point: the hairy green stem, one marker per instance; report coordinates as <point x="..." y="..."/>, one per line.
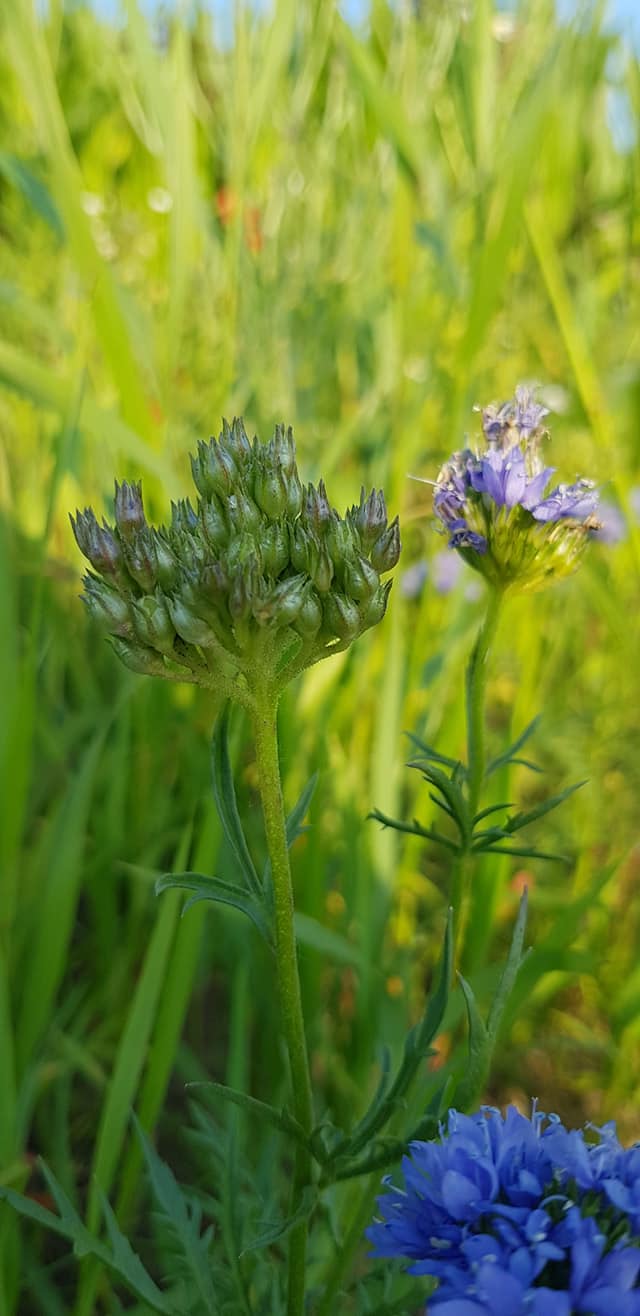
<point x="263" y="713"/>
<point x="475" y="689"/>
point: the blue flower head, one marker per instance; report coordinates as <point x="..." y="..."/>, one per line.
<point x="518" y="1217"/>
<point x="496" y="506"/>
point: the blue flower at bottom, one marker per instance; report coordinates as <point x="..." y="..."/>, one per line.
<point x="518" y="1217"/>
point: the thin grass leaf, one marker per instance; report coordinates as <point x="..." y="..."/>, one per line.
<point x="521" y="852"/>
<point x="313" y="934"/>
<point x="416" y="1047"/>
<point x="433" y="755"/>
<point x="414" y="829"/>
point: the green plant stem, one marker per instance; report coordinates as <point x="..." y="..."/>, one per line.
<point x="263" y="713"/>
<point x="475" y="690"/>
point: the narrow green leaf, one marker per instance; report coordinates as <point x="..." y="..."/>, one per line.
<point x="183" y="1218"/>
<point x="120" y="1258"/>
<point x="273" y="1233"/>
<point x="215" y="889"/>
<point x="522" y="819"/>
<point x="432" y="755"/>
<point x="227" y="805"/>
<point x="280" y="1119"/>
<point x="522" y="852"/>
<point x="508" y="756"/>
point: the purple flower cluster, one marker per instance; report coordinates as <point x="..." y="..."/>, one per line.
<point x="508" y="474"/>
<point x="518" y="1217"/>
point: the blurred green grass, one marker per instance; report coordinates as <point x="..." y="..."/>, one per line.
<point x="363" y="233"/>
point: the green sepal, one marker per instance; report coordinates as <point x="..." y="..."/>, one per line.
<point x="222" y="893"/>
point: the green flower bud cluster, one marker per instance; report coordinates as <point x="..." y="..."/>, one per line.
<point x="262" y="577"/>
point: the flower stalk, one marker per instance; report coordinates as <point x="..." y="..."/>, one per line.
<point x="263" y="713"/>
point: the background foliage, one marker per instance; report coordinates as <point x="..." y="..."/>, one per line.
<point x="362" y="232"/>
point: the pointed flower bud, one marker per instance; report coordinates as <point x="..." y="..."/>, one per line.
<point x="360" y="578"/>
<point x="341" y="616"/>
<point x="190" y="627"/>
<point x="98" y="543"/>
<point x="270" y="490"/>
<point x="135" y="656"/>
<point x="152" y="623"/>
<point x="386" y="550"/>
<point x="129" y="510"/>
<point x="213" y="520"/>
<point x="371" y="517"/>
<point x="106" y="606"/>
<point x="316" y="508"/>
<point x="141" y="559"/>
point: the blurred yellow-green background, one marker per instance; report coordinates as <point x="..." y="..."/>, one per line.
<point x="362" y="228"/>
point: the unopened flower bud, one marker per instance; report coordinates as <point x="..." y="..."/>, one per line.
<point x="135" y="656"/>
<point x="360" y="579"/>
<point x="275" y="548"/>
<point x="189" y="626"/>
<point x="316" y="507"/>
<point x="294" y="493"/>
<point x="320" y="566"/>
<point x="214" y="521"/>
<point x="98" y="543"/>
<point x="237" y="441"/>
<point x="371" y="516"/>
<point x="183" y="517"/>
<point x="309" y="617"/>
<point x="377" y="605"/>
<point x="386" y="550"/>
<point x="141" y="559"/>
<point x="340" y="540"/>
<point x="167" y="566"/>
<point x="284" y="449"/>
<point x="152" y="623"/>
<point x="129" y="510"/>
<point x="219" y="468"/>
<point x="282" y="605"/>
<point x="341" y="616"/>
<point x="243" y="513"/>
<point x="269" y="490"/>
<point x="107" y="607"/>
